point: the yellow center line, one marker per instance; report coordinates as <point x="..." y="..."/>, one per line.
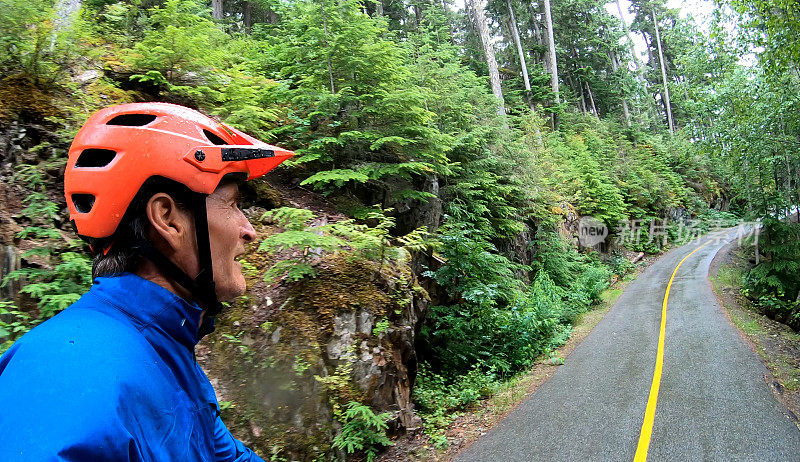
<point x="650" y="411"/>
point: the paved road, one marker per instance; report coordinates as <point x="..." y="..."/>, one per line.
<point x="713" y="403"/>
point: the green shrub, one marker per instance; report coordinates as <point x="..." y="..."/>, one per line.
<point x="362" y="430"/>
<point x="305" y="243"/>
<point x="69" y="274"/>
<point x="13" y="324"/>
<point x="774" y="284"/>
<point x="620" y="265"/>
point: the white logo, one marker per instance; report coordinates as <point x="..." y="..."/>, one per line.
<point x="591" y="231"/>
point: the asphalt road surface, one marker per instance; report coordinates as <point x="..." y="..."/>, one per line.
<point x="713" y="403"/>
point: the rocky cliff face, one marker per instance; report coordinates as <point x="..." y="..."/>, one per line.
<point x="287" y="357"/>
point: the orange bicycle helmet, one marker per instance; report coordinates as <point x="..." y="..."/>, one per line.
<point x="120" y="147"/>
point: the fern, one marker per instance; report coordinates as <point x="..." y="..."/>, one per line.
<point x="53" y="288"/>
<point x="357" y="240"/>
<point x="363" y="430"/>
<point x="327" y="179"/>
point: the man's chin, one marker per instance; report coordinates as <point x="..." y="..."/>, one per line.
<point x="228" y="294"/>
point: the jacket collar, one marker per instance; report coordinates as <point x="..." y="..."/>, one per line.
<point x="151" y="306"/>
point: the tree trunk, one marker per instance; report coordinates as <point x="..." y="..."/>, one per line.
<point x="650" y="58"/>
<point x="216" y="9"/>
<point x="379" y="8"/>
<point x="247" y="17"/>
<point x="65" y="9"/>
<point x="591" y="100"/>
<point x="515" y="34"/>
<point x="583" y="96"/>
<point x="551" y="41"/>
<point x="615" y="68"/>
<point x="628" y="35"/>
<point x="537" y="31"/>
<point x="663" y="76"/>
<point x="483" y="31"/>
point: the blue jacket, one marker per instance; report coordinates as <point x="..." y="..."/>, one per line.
<point x="113" y="378"/>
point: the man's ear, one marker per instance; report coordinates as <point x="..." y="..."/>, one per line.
<point x="171" y="226"/>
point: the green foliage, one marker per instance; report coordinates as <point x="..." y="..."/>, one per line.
<point x="381" y="327"/>
<point x="439" y="398"/>
<point x="358" y="116"/>
<point x="774" y="284"/>
<point x="178" y="41"/>
<point x="57" y="288"/>
<point x="362" y="430"/>
<point x="593" y="193"/>
<point x="481" y="280"/>
<point x="620" y="265"/>
<point x="298" y="237"/>
<point x="436" y="394"/>
<point x="13" y="324"/>
<point x="69" y="271"/>
<point x="36" y="43"/>
<point x="337" y="178"/>
<point x="356" y="240"/>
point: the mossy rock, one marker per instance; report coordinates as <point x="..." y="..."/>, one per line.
<point x="21" y="98"/>
<point x="272" y="358"/>
<point x="264" y="194"/>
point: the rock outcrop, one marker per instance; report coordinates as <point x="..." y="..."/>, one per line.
<point x="286" y="359"/>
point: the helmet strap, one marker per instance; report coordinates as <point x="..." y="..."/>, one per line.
<point x="206" y="292"/>
<point x="202" y="286"/>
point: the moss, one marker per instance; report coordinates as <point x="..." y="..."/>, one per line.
<point x="271" y="356"/>
<point x="265" y="195"/>
<point x="344" y="284"/>
<point x="105" y="93"/>
<point x="21" y="98"/>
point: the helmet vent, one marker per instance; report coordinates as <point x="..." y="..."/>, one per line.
<point x="132" y="120"/>
<point x="95" y="158"/>
<point x="83" y="202"/>
<point x="214" y="138"/>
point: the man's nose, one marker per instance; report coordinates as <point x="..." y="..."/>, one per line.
<point x="248" y="233"/>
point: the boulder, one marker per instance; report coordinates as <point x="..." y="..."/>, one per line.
<point x="286" y="359"/>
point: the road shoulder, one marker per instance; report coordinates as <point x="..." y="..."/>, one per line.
<point x="777" y="345"/>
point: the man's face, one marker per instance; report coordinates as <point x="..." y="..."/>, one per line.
<point x="228" y="231"/>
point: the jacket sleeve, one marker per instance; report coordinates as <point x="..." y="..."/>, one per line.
<point x="228" y="448"/>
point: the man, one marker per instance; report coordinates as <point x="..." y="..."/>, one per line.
<point x="153" y="188"/>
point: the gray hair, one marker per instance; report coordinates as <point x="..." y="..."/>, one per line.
<point x="122" y="257"/>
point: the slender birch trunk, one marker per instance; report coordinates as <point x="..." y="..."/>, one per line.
<point x="591" y="100"/>
<point x="583" y="96"/>
<point x="663" y="76"/>
<point x="483" y="31"/>
<point x="552" y="61"/>
<point x="615" y="67"/>
<point x="216" y="9"/>
<point x="628" y="35"/>
<point x="515" y="34"/>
